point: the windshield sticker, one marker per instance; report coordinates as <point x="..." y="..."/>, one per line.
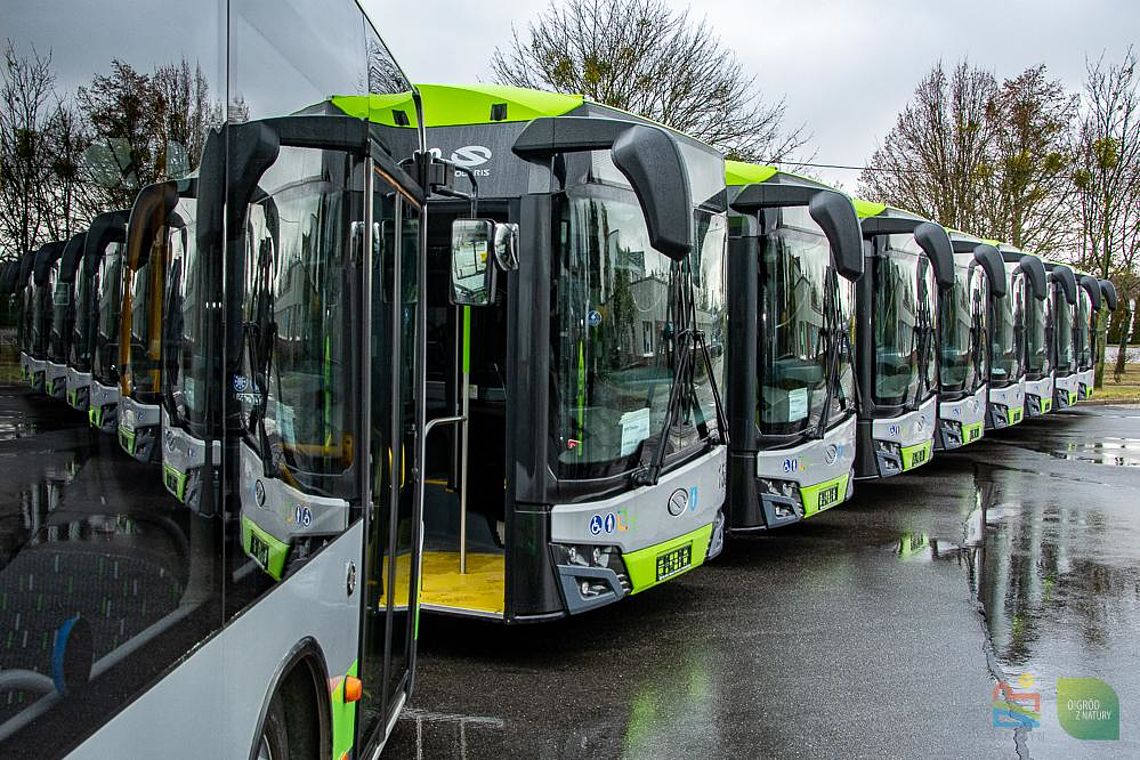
<point x="634" y="430"/>
<point x="189" y="388"/>
<point x="797" y="404"/>
<point x="285" y="422"/>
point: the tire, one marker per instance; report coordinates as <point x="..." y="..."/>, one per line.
<point x="273" y="744"/>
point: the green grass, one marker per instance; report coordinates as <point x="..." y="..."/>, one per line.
<point x="1127" y="391"/>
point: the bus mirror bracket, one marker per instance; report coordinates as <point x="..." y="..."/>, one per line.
<point x="836" y="216"/>
<point x="932" y="238"/>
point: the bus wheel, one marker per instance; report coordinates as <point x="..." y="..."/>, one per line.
<point x="273" y="744"/>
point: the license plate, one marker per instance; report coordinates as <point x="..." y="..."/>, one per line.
<point x="972" y="435"/>
<point x="919" y="457"/>
<point x="672" y="562"/>
<point x="259" y="550"/>
<point x="828" y="496"/>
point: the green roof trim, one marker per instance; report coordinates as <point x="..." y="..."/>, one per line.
<point x="867" y="209"/>
<point x="448" y="105"/>
<point x="740" y="173"/>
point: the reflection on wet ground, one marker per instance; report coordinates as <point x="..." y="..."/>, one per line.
<point x="879" y="629"/>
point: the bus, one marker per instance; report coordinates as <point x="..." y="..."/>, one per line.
<point x="909" y="261"/>
<point x="104" y="238"/>
<point x="1035" y="317"/>
<point x="1098" y="329"/>
<point x="795" y="254"/>
<point x="964" y="341"/>
<point x="583" y="457"/>
<point x="161" y="222"/>
<point x="40" y="294"/>
<point x="24" y="288"/>
<point x="103" y="390"/>
<point x="1091" y="298"/>
<point x="151" y="631"/>
<point x="62" y="316"/>
<point x="1063" y="299"/>
<point x="1006" y="397"/>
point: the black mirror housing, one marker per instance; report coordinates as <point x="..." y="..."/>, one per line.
<point x="1063" y="276"/>
<point x="934" y="240"/>
<point x="651" y="160"/>
<point x="1110" y="297"/>
<point x="991" y="262"/>
<point x="1092" y="287"/>
<point x="1035" y="274"/>
<point x="835" y="215"/>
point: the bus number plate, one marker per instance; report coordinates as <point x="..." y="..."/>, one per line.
<point x="919" y="457"/>
<point x="672" y="562"/>
<point x="972" y="435"/>
<point x="259" y="550"/>
<point x="827" y="497"/>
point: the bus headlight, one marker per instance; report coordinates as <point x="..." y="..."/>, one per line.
<point x="571" y="556"/>
<point x="783" y="495"/>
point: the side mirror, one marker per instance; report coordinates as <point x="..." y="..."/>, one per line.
<point x="472" y="268"/>
<point x="836" y="216"/>
<point x="939" y="250"/>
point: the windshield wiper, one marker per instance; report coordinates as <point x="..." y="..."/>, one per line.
<point x="689" y="345"/>
<point x="837" y="339"/>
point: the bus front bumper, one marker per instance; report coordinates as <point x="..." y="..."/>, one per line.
<point x="183" y="462"/>
<point x="139" y="426"/>
<point x="103" y="407"/>
<point x="903" y="443"/>
<point x="962" y="422"/>
<point x="1006" y="406"/>
<point x="1039" y="396"/>
<point x="78" y="389"/>
<point x="796" y="483"/>
<point x="1065" y="391"/>
<point x="605" y="550"/>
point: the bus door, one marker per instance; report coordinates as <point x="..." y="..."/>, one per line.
<point x="465" y="463"/>
<point x="391" y="304"/>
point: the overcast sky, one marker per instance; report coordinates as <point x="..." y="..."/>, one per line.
<point x="845" y="67"/>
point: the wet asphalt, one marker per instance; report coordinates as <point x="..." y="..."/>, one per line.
<point x="878" y="629"/>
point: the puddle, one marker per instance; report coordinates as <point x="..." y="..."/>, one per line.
<point x="1118" y="452"/>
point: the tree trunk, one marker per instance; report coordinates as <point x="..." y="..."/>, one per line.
<point x="1125" y="334"/>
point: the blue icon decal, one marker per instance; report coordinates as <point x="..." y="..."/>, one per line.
<point x="611" y="522"/>
<point x="693" y="499"/>
<point x="594" y="318"/>
<point x="596" y="524"/>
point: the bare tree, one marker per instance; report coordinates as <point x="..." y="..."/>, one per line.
<point x="936" y="159"/>
<point x="27" y="109"/>
<point x="1107" y="181"/>
<point x="1029" y="191"/>
<point x="646" y="58"/>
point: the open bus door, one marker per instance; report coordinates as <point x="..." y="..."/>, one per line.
<point x="321" y="357"/>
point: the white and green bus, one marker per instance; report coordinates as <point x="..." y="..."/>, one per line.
<point x="132" y="626"/>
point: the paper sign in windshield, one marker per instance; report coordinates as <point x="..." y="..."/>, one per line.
<point x="634" y="430"/>
<point x="797" y="404"/>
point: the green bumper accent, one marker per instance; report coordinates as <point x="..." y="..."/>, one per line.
<point x="916" y="455"/>
<point x="1046" y="405"/>
<point x="1014" y="416"/>
<point x="95" y="417"/>
<point x="973" y="432"/>
<point x="175" y="481"/>
<point x="127" y="440"/>
<point x="642" y="564"/>
<point x="1072" y="398"/>
<point x="824" y="495"/>
<point x="271" y="557"/>
<point x="343" y="717"/>
<point x="72" y="397"/>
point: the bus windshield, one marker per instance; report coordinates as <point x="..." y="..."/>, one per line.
<point x="1084" y="345"/>
<point x="1007" y="335"/>
<point x="108" y="294"/>
<point x="297" y="307"/>
<point x="616" y="307"/>
<point x="1063" y="336"/>
<point x="963" y="326"/>
<point x="1038" y="334"/>
<point x="795" y="278"/>
<point x="903" y="319"/>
